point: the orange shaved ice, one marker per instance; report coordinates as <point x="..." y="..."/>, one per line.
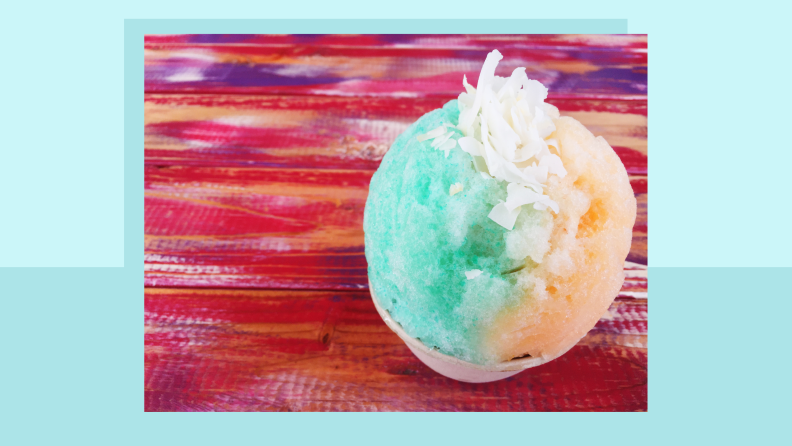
<point x="582" y="272"/>
<point x="497" y="229"/>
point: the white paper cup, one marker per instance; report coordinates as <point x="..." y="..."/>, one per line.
<point x="455" y="368"/>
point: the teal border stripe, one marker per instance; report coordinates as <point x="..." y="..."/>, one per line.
<point x="133" y="149"/>
<point x="719" y="363"/>
<point x="73" y="350"/>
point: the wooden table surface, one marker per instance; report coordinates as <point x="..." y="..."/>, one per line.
<point x="258" y="155"/>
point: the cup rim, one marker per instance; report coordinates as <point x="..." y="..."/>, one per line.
<point x="507" y="366"/>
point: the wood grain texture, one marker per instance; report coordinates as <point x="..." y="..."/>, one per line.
<point x="615" y="42"/>
<point x="239" y="350"/>
<point x="310" y="66"/>
<point x="277" y="222"/>
<point x="253" y="227"/>
<point x="265" y="227"/>
<point x="332" y="132"/>
<point x="258" y="155"/>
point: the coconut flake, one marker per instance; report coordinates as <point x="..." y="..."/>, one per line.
<point x="471" y="146"/>
<point x="481" y="165"/>
<point x="440" y="140"/>
<point x="546" y="202"/>
<point x="465" y="99"/>
<point x="519" y="195"/>
<point x="447" y="146"/>
<point x="455" y="189"/>
<point x="553" y="164"/>
<point x="486" y="76"/>
<point x="543" y="123"/>
<point x="472" y="274"/>
<point x="499" y="127"/>
<point x="431" y="134"/>
<point x="468" y="88"/>
<point x="512" y="86"/>
<point x="501" y="215"/>
<point x="551" y="142"/>
<point x="535" y="92"/>
<point x="505" y="121"/>
<point x="539" y="173"/>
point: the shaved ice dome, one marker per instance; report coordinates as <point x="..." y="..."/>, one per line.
<point x="443" y="261"/>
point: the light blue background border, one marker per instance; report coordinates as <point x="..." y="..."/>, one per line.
<point x="718" y="356"/>
<point x="381" y="26"/>
<point x="718" y="153"/>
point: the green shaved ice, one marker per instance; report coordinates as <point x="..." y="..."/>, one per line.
<point x="420" y="240"/>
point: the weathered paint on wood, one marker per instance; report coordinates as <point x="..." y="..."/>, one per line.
<point x="332" y="132"/>
<point x="602" y="42"/>
<point x="239" y="350"/>
<point x="422" y="69"/>
<point x="252" y="227"/>
<point x="259" y="150"/>
<point x="265" y="227"/>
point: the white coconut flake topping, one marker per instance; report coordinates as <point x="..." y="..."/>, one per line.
<point x="506" y="126"/>
<point x="472" y="274"/>
<point x="441" y="139"/>
<point x="455" y="189"/>
<point x="432" y="134"/>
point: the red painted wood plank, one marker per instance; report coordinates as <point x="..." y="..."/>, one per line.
<point x="236" y="350"/>
<point x="387" y="71"/>
<point x="372" y="107"/>
<point x="264" y="228"/>
<point x="255" y="227"/>
<point x="639" y="250"/>
<point x="332" y="132"/>
<point x="292" y="218"/>
<point x="617" y="42"/>
<point x="277" y="53"/>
